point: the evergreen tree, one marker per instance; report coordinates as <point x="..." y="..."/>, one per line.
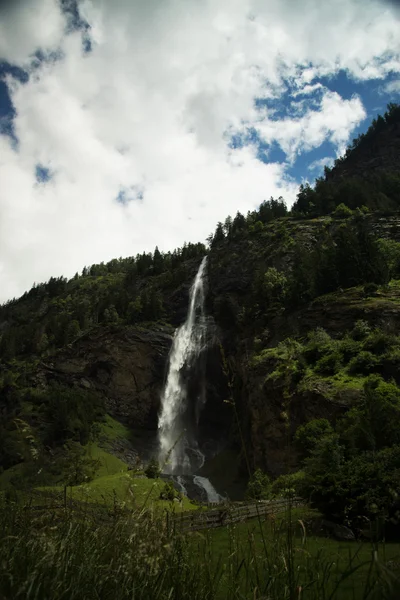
<point x="219" y="235"/>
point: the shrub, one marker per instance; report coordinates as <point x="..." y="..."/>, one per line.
<point x="379" y="342"/>
<point x="309" y="435"/>
<point x="169" y="492"/>
<point x="330" y="363"/>
<point x="153" y="470"/>
<point x="342" y="211"/>
<point x="274" y="285"/>
<point x="259" y="486"/>
<point x="288" y="485"/>
<point x="361" y="330"/>
<point x="349" y="348"/>
<point x="373" y="423"/>
<point x="319" y="343"/>
<point x="76" y="466"/>
<point x="364" y="363"/>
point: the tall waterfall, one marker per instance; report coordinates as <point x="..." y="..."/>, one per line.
<point x="182" y="402"/>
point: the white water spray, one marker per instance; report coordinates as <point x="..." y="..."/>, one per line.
<point x="179" y="414"/>
<point x="212" y="495"/>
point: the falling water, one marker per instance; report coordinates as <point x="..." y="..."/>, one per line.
<point x="177" y="426"/>
<point x="205" y="484"/>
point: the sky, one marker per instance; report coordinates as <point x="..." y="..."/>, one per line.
<point x="130" y="124"/>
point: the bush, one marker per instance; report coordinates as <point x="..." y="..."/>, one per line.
<point x="342" y="211"/>
<point x="288" y="485"/>
<point x="361" y="330"/>
<point x="363" y="364"/>
<point x="153" y="470"/>
<point x="169" y="492"/>
<point x="373" y="423"/>
<point x="319" y="343"/>
<point x="309" y="435"/>
<point x="274" y="286"/>
<point x="379" y="342"/>
<point x="259" y="486"/>
<point x="330" y="363"/>
<point x="349" y="348"/>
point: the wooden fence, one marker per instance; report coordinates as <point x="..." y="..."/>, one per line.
<point x="185" y="522"/>
<point x="229" y="514"/>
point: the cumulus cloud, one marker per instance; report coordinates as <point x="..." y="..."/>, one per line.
<point x="320" y="163"/>
<point x="334" y="121"/>
<point x="135" y="134"/>
<point x="392" y="88"/>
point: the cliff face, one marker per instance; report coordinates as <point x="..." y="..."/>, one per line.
<point x="269" y="412"/>
<point x="126" y="366"/>
<point x="273" y="410"/>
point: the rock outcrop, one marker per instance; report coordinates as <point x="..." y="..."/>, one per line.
<point x="126" y="365"/>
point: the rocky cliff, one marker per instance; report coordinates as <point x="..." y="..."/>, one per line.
<point x="125" y="365"/>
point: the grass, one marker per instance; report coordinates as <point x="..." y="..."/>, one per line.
<point x="109" y="464"/>
<point x="113" y="430"/>
<point x="332" y="386"/>
<point x="126" y="489"/>
<point x="65" y="556"/>
<point x="266" y="550"/>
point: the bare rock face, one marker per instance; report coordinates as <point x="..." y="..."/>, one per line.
<point x="126" y="365"/>
<point x="273" y="419"/>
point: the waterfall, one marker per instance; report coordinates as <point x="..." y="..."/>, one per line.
<point x="180" y="411"/>
<point x="206" y="485"/>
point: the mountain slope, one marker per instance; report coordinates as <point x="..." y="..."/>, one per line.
<point x="302" y="313"/>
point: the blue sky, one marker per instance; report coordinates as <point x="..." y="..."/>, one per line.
<point x="374" y="98"/>
<point x="132" y="124"/>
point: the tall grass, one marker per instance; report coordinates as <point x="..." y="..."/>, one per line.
<point x="73" y="554"/>
<point x="63" y="555"/>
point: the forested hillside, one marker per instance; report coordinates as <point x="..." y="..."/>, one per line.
<point x="303" y="308"/>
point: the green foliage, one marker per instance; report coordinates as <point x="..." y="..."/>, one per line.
<point x="342" y="211"/>
<point x="66" y="413"/>
<point x="319" y="343"/>
<point x="258" y="487"/>
<point x="128" y="290"/>
<point x="377" y="192"/>
<point x="76" y="466"/>
<point x="169" y="492"/>
<point x="390" y="250"/>
<point x="345" y="256"/>
<point x="289" y="485"/>
<point x="373" y="423"/>
<point x="115" y="554"/>
<point x="364" y="363"/>
<point x="310" y="435"/>
<point x="361" y="330"/>
<point x="274" y="286"/>
<point x="153" y="469"/>
<point x="330" y="363"/>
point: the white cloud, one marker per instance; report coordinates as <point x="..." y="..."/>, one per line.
<point x="26" y="25"/>
<point x="333" y="122"/>
<point x="149" y="109"/>
<point x="392" y="88"/>
<point x="320" y="163"/>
